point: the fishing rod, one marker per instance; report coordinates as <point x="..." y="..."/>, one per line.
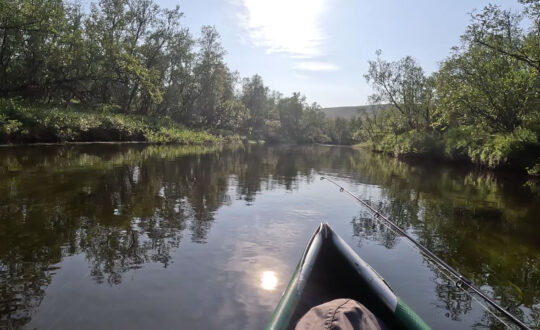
<point x="462" y="279"/>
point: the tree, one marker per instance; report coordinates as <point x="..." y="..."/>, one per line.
<point x="132" y="56"/>
<point x="503" y="32"/>
<point x="233" y="115"/>
<point x="255" y="98"/>
<point x="141" y="15"/>
<point x="212" y="77"/>
<point x="314" y="124"/>
<point x="177" y="64"/>
<point x="480" y="86"/>
<point x="290" y="114"/>
<point x="403" y="85"/>
<point x="29" y="35"/>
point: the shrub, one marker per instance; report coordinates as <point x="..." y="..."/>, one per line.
<point x="21" y="123"/>
<point x="411" y="142"/>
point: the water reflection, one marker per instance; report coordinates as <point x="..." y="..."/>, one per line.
<point x="124" y="208"/>
<point x="482" y="225"/>
<point x="269" y="280"/>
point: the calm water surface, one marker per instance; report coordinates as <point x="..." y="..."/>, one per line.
<point x="135" y="236"/>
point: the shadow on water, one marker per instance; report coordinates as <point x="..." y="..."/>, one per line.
<point x="126" y="206"/>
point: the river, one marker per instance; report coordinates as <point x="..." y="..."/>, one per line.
<point x="124" y="236"/>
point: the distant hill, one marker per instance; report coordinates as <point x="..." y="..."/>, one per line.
<point x="350" y="112"/>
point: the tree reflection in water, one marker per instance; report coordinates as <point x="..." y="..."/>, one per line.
<point x="483" y="226"/>
<point x="124" y="206"/>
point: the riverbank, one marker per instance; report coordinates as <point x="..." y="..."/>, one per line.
<point x="518" y="151"/>
<point x="23" y="124"/>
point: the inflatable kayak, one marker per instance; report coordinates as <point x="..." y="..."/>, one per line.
<point x="330" y="269"/>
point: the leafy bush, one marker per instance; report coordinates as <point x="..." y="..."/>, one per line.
<point x="411" y="142"/>
<point x="179" y="135"/>
<point x="9" y="126"/>
<point x="459" y="140"/>
<point x="21" y="123"/>
<point x="490" y="150"/>
<point x="499" y="148"/>
<point x="535" y="169"/>
<point x="466" y="143"/>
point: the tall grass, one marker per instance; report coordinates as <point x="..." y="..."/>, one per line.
<point x="20" y="123"/>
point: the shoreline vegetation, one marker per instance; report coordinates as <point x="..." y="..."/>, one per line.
<point x="28" y="124"/>
<point x="121" y="70"/>
<point x="481" y="106"/>
<point x="128" y="70"/>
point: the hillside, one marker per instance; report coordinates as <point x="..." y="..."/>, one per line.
<point x="351" y="111"/>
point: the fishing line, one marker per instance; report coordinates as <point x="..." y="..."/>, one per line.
<point x="432" y="257"/>
<point x="446" y="274"/>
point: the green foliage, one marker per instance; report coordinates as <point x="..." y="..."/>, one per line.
<point x="213" y="80"/>
<point x="478" y="86"/>
<point x="256" y="99"/>
<point x="290" y="111"/>
<point x="272" y="131"/>
<point x="128" y="70"/>
<point x="498" y="149"/>
<point x="459" y="141"/>
<point x="481" y="147"/>
<point x="411" y="142"/>
<point x="339" y="131"/>
<point x="534" y="170"/>
<point x="178" y="135"/>
<point x="315" y="126"/>
<point x="134" y="58"/>
<point x="9" y="126"/>
<point x="481" y="106"/>
<point x="21" y="123"/>
<point x="403" y="85"/>
<point x="232" y="115"/>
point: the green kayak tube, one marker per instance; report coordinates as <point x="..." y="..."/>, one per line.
<point x="330" y="269"/>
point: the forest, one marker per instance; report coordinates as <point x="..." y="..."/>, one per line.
<point x="129" y="70"/>
<point x="481" y="106"/>
<point x="124" y="70"/>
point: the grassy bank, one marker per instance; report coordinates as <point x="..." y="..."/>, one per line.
<point x="518" y="150"/>
<point x="21" y="123"/>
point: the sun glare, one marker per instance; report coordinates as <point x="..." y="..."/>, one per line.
<point x="288" y="26"/>
<point x="269" y="280"/>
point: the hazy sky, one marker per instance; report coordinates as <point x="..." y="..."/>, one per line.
<point x="322" y="47"/>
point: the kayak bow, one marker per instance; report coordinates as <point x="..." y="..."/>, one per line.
<point x="330" y="269"/>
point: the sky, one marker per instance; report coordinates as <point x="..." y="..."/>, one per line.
<point x="321" y="48"/>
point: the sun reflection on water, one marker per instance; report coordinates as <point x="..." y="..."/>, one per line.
<point x="269" y="280"/>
